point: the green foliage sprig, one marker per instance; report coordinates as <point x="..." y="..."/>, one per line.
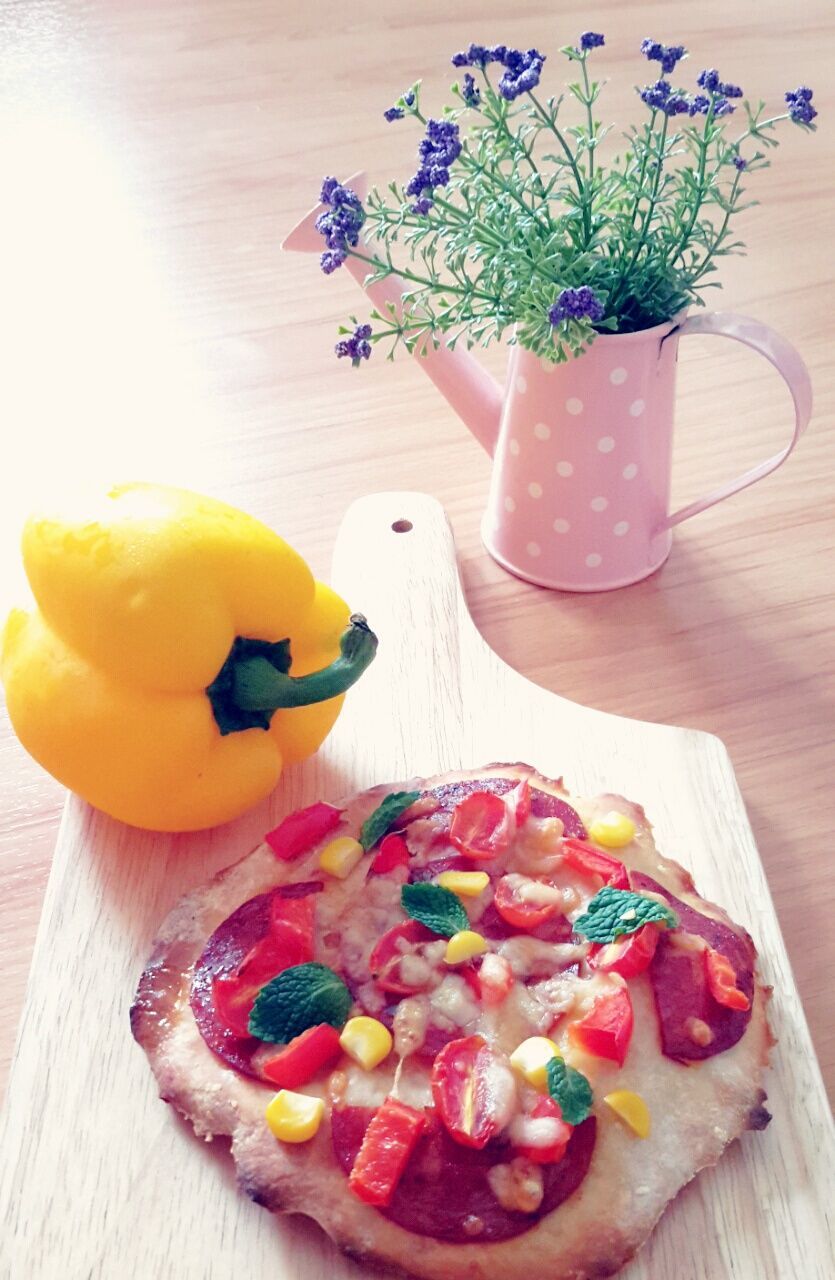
<point x="518" y="227"/>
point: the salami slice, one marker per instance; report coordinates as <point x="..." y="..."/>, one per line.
<point x="224" y="951"/>
<point x="444" y="1192"/>
<point x="680" y="986"/>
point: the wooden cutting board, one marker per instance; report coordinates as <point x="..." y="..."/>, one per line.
<point x="100" y="1180"/>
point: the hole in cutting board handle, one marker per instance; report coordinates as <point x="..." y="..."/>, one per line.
<point x="402" y="526"/>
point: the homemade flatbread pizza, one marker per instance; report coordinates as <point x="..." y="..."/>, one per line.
<point x="473" y="1026"/>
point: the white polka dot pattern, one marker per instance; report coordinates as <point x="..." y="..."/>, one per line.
<point x="580" y="474"/>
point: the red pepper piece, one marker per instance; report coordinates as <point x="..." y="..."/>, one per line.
<point x="554" y="1152"/>
<point x="606" y="1030"/>
<point x="293" y="913"/>
<point x="519" y="801"/>
<point x="389" y="1141"/>
<point x="234" y="993"/>
<point x="629" y="955"/>
<point x="518" y="912"/>
<point x="299" y="1061"/>
<point x="491" y="984"/>
<point x="462" y="1091"/>
<point x="590" y="861"/>
<point x="481" y="826"/>
<point x="393" y="852"/>
<point x="303" y="830"/>
<point x="384" y="961"/>
<point x="721" y="980"/>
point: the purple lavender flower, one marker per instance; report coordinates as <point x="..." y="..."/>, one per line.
<point x="801" y="110"/>
<point x="357" y="346"/>
<point x="698" y="105"/>
<point x="669" y="55"/>
<point x="422" y="206"/>
<point x="393" y="113"/>
<point x="522" y="72"/>
<point x="740" y="163"/>
<point x="591" y="40"/>
<point x="470" y="91"/>
<point x="477" y="55"/>
<point x="678" y="104"/>
<point x="438" y="149"/>
<point x="409" y="98"/>
<point x="655" y="95"/>
<point x="730" y="90"/>
<point x="721" y="107"/>
<point x="577" y="304"/>
<point x="330" y="260"/>
<point x="709" y="80"/>
<point x="340" y="223"/>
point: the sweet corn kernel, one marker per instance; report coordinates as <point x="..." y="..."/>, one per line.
<point x="468" y="883"/>
<point x="341" y="856"/>
<point x="531" y="1058"/>
<point x="463" y="946"/>
<point x="631" y="1109"/>
<point x="613" y="830"/>
<point x="294" y="1117"/>
<point x="367" y="1041"/>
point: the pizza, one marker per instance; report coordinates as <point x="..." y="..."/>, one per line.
<point x="473" y="1026"/>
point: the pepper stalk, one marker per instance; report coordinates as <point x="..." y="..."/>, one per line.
<point x="254" y="681"/>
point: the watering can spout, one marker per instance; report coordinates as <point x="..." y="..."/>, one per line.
<point x="468" y="388"/>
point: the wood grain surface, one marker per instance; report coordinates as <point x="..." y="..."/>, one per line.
<point x="85" y="1138"/>
<point x="154" y="155"/>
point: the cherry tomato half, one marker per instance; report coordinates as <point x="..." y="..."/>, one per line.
<point x="516" y="911"/>
<point x="481" y="826"/>
<point x="463" y="1088"/>
<point x="629" y="955"/>
<point x="606" y="1030"/>
<point x="386" y="959"/>
<point x="547" y="1109"/>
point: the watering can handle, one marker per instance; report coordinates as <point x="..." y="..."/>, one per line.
<point x="787" y="362"/>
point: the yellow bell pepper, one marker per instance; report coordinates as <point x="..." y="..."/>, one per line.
<point x="152" y="677"/>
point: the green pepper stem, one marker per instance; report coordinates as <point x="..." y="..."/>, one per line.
<point x="258" y="686"/>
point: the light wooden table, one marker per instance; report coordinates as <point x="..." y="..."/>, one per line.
<point x="154" y="155"/>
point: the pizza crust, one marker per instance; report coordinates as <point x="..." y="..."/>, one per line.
<point x="697" y="1109"/>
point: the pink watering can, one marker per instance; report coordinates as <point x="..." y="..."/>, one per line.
<point x="582" y="451"/>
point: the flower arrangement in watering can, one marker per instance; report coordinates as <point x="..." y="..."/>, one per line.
<point x="519" y="229"/>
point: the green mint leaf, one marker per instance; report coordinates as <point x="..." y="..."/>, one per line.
<point x="613" y="912"/>
<point x="302" y="996"/>
<point x="376" y="826"/>
<point x="570" y="1089"/>
<point x="439" y="909"/>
